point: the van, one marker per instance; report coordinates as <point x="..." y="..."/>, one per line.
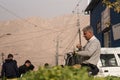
<point x="109" y="63"/>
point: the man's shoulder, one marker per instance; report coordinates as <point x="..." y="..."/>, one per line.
<point x="22" y="66"/>
<point x="95" y="42"/>
<point x="15" y="61"/>
<point x="31" y="67"/>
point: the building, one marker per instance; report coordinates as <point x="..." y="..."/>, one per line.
<point x="105" y="22"/>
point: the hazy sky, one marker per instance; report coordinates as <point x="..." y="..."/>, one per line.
<point x="42" y="8"/>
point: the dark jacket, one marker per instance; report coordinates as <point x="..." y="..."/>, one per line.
<point x="10" y="69"/>
<point x="23" y="69"/>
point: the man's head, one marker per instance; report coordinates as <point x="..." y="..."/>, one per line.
<point x="10" y="56"/>
<point x="27" y="63"/>
<point x="87" y="32"/>
<point x="46" y="64"/>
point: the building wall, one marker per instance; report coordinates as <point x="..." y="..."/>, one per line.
<point x="115" y="19"/>
<point x="95" y="17"/>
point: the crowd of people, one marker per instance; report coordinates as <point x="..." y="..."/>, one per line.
<point x="10" y="70"/>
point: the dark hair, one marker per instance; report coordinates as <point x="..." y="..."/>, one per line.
<point x="10" y="56"/>
<point x="46" y="64"/>
<point x="27" y="61"/>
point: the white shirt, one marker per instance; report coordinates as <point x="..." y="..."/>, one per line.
<point x="91" y="51"/>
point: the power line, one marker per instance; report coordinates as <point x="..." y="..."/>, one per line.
<point x="68" y="35"/>
<point x="76" y="8"/>
<point x="31" y="32"/>
<point x="14" y="14"/>
<point x="57" y="50"/>
<point x="11" y="12"/>
<point x="62" y="30"/>
<point x="36" y="37"/>
<point x="74" y="38"/>
<point x="19" y="17"/>
<point x="70" y="42"/>
<point x="31" y="38"/>
<point x="66" y="28"/>
<point x="26" y="20"/>
<point x="65" y="25"/>
<point x="28" y="38"/>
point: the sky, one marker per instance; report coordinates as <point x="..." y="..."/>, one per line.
<point x="11" y="9"/>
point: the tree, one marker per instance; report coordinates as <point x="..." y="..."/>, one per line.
<point x="113" y="4"/>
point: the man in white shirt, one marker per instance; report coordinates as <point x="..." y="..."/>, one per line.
<point x="91" y="51"/>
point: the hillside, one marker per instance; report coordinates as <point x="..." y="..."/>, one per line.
<point x="35" y="38"/>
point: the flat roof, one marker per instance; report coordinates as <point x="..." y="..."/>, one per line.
<point x="92" y="4"/>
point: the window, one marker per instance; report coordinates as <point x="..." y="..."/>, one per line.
<point x="98" y="27"/>
<point x="119" y="55"/>
<point x="108" y="60"/>
<point x="107" y="41"/>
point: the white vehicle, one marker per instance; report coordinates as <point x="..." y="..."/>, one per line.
<point x="109" y="63"/>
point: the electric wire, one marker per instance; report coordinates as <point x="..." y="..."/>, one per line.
<point x="70" y="19"/>
<point x="14" y="14"/>
<point x="13" y="42"/>
<point x="70" y="42"/>
<point x="21" y="18"/>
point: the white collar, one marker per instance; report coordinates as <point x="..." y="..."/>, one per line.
<point x="92" y="38"/>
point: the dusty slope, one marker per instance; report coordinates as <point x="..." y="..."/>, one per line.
<point x="35" y="38"/>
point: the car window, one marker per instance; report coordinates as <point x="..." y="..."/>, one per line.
<point x="108" y="60"/>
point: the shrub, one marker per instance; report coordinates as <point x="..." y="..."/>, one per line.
<point x="60" y="73"/>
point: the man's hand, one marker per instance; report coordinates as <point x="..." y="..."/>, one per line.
<point x="78" y="46"/>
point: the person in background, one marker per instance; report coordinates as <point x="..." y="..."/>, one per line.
<point x="46" y="65"/>
<point x="91" y="51"/>
<point x="27" y="66"/>
<point x="9" y="68"/>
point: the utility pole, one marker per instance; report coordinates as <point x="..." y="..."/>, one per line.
<point x="78" y="24"/>
<point x="79" y="32"/>
<point x="57" y="50"/>
<point x="79" y="58"/>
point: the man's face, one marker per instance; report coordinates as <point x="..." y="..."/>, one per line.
<point x="87" y="34"/>
<point x="27" y="64"/>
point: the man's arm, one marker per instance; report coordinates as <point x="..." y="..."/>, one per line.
<point x="3" y="70"/>
<point x="16" y="68"/>
<point x="31" y="67"/>
<point x="89" y="51"/>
